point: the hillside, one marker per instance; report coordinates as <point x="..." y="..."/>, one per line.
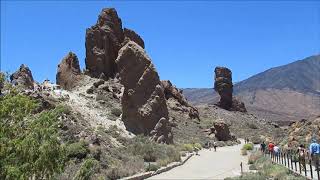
<point x="284" y="93"/>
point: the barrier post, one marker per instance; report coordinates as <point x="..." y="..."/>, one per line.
<point x="311" y="171"/>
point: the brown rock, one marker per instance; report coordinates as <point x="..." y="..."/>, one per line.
<point x="69" y="72"/>
<point x="162" y="132"/>
<point x="224" y="87"/>
<point x="130" y="35"/>
<point x="221" y="131"/>
<point x="23" y="78"/>
<point x="103" y="42"/>
<point x="171" y="91"/>
<point x="143" y="101"/>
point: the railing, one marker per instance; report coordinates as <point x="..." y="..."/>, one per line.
<point x="300" y="165"/>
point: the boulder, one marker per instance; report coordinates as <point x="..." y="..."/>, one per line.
<point x="143" y="101"/>
<point x="224" y="87"/>
<point x="170" y="91"/>
<point x="221" y="131"/>
<point x="23" y="78"/>
<point x="103" y="41"/>
<point x="69" y="72"/>
<point x="162" y="132"/>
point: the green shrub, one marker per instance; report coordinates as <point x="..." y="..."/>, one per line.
<point x="77" y="150"/>
<point x="116" y="111"/>
<point x="87" y="169"/>
<point x="248" y="147"/>
<point x="254" y="157"/>
<point x="152" y="167"/>
<point x="197" y="145"/>
<point x="187" y="147"/>
<point x="249" y="176"/>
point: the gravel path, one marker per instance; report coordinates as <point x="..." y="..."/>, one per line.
<point x="210" y="165"/>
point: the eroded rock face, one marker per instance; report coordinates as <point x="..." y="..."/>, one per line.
<point x="221" y="131"/>
<point x="171" y="91"/>
<point x="162" y="132"/>
<point x="103" y="41"/>
<point x="143" y="101"/>
<point x="130" y="35"/>
<point x="69" y="72"/>
<point x="23" y="78"/>
<point x="224" y="87"/>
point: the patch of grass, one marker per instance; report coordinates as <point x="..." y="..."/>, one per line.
<point x="249" y="176"/>
<point x="187" y="147"/>
<point x="152" y="167"/>
<point x="87" y="169"/>
<point x="248" y="147"/>
<point x="254" y="157"/>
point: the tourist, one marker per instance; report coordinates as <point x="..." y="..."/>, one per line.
<point x="270" y="147"/>
<point x="276" y="150"/>
<point x="263" y="147"/>
<point x="215" y="146"/>
<point x="302" y="155"/>
<point x="315" y="153"/>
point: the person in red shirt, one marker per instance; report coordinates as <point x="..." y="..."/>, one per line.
<point x="270" y="147"/>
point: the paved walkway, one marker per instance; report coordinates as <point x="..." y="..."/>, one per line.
<point x="210" y="165"/>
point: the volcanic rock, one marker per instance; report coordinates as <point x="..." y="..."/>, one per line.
<point x="103" y="41"/>
<point x="23" y="78"/>
<point x="130" y="35"/>
<point x="162" y="132"/>
<point x="221" y="131"/>
<point x="224" y="87"/>
<point x="143" y="101"/>
<point x="171" y="91"/>
<point x="69" y="72"/>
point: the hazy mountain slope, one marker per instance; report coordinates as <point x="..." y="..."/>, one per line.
<point x="283" y="93"/>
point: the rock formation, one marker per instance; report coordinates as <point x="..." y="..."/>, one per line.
<point x="104" y="40"/>
<point x="223" y="85"/>
<point x="143" y="101"/>
<point x="23" y="78"/>
<point x="171" y="91"/>
<point x="162" y="132"/>
<point x="69" y="72"/>
<point x="221" y="131"/>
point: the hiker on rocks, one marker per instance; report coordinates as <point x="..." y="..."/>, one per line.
<point x="270" y="147"/>
<point x="302" y="152"/>
<point x="315" y="153"/>
<point x="215" y="146"/>
<point x="263" y="147"/>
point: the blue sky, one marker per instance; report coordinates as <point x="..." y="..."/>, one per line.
<point x="185" y="40"/>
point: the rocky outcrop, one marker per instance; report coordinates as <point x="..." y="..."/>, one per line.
<point x="172" y="92"/>
<point x="224" y="87"/>
<point x="23" y="78"/>
<point x="69" y="72"/>
<point x="221" y="131"/>
<point x="143" y="101"/>
<point x="162" y="132"/>
<point x="130" y="35"/>
<point x="103" y="42"/>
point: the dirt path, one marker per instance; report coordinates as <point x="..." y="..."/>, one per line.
<point x="210" y="165"/>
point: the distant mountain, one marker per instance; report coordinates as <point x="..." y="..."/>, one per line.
<point x="284" y="93"/>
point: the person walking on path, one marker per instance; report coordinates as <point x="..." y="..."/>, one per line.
<point x="270" y="147"/>
<point x="315" y="153"/>
<point x="215" y="146"/>
<point x="263" y="146"/>
<point x="276" y="150"/>
<point x="302" y="156"/>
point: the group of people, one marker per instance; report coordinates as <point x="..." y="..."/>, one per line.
<point x="214" y="144"/>
<point x="303" y="153"/>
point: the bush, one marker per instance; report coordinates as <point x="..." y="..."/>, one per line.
<point x="249" y="176"/>
<point x="248" y="147"/>
<point x="254" y="157"/>
<point x="152" y="167"/>
<point x="77" y="150"/>
<point x="187" y="147"/>
<point x="197" y="145"/>
<point x="87" y="169"/>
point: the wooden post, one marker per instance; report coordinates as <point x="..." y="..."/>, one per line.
<point x="285" y="161"/>
<point x="305" y="166"/>
<point x="295" y="165"/>
<point x="291" y="161"/>
<point x="241" y="168"/>
<point x="299" y="164"/>
<point x="288" y="161"/>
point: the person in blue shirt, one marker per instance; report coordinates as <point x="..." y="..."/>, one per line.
<point x="314" y="149"/>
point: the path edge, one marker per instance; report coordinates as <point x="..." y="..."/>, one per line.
<point x="146" y="175"/>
